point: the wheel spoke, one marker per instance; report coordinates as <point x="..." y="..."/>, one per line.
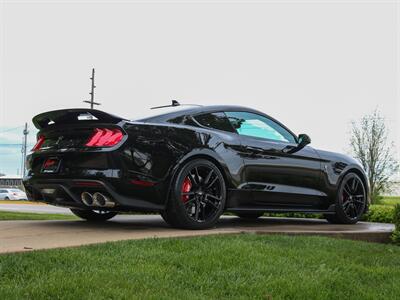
<point x="197" y="175"/>
<point x="193" y="178"/>
<point x="346" y="190"/>
<point x="354" y="185"/>
<point x="212" y="183"/>
<point x="207" y="180"/>
<point x="354" y="210"/>
<point x="210" y="202"/>
<point x="190" y="201"/>
<point x="346" y="205"/>
<point x="213" y="197"/>
<point x="196" y="213"/>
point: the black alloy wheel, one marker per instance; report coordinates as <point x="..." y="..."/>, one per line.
<point x="351" y="201"/>
<point x="198" y="198"/>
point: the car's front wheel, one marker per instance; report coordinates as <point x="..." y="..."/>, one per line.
<point x="198" y="196"/>
<point x="94" y="215"/>
<point x="351" y="201"/>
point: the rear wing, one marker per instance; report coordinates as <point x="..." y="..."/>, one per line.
<point x="73" y="116"/>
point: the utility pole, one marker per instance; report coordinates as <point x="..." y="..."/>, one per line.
<point x="91" y="101"/>
<point x="24" y="146"/>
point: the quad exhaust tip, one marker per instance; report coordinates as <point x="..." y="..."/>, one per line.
<point x="97" y="199"/>
<point x="87" y="198"/>
<point x="101" y="200"/>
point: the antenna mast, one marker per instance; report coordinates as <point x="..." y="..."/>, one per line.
<point x="91" y="101"/>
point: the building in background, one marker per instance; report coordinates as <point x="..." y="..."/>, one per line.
<point x="11" y="181"/>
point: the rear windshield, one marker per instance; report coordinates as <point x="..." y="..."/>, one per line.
<point x="15" y="190"/>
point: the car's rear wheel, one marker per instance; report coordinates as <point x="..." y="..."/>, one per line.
<point x="351" y="201"/>
<point x="250" y="215"/>
<point x="198" y="196"/>
<point x="94" y="215"/>
<point x="6" y="198"/>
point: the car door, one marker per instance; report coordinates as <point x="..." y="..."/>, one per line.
<point x="276" y="177"/>
<point x="3" y="194"/>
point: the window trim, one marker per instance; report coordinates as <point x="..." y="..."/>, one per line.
<point x="296" y="141"/>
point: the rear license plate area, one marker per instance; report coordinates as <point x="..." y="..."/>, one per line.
<point x="51" y="165"/>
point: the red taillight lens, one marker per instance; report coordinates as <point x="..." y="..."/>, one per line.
<point x="103" y="137"/>
<point x="39" y="143"/>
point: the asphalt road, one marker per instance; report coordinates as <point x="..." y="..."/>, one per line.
<point x="17" y="236"/>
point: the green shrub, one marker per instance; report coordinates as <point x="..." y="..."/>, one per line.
<point x="379" y="214"/>
<point x="396" y="221"/>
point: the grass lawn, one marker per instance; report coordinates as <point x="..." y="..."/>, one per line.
<point x="10" y="215"/>
<point x="390" y="200"/>
<point x="213" y="267"/>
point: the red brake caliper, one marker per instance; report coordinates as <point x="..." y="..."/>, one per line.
<point x="186" y="187"/>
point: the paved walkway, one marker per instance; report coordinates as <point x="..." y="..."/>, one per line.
<point x="34" y="208"/>
<point x="18" y="236"/>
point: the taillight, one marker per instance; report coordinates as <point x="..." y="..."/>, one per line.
<point x="103" y="137"/>
<point x="39" y="143"/>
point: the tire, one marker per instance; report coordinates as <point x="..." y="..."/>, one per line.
<point x="93" y="216"/>
<point x="198" y="196"/>
<point x="351" y="201"/>
<point x="6" y="198"/>
<point x="250" y="215"/>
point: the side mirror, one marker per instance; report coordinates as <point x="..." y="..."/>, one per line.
<point x="303" y="140"/>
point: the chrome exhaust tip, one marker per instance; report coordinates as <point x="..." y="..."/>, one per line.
<point x="87" y="198"/>
<point x="101" y="200"/>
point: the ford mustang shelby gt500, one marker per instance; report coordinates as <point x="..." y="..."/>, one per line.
<point x="190" y="164"/>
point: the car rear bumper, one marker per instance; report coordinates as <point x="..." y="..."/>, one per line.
<point x="67" y="193"/>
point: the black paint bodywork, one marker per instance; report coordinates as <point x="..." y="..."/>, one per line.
<point x="260" y="175"/>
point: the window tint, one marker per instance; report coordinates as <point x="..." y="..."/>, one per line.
<point x="259" y="126"/>
<point x="183" y="120"/>
<point x="216" y="120"/>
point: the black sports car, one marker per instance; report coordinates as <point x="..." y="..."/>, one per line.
<point x="191" y="165"/>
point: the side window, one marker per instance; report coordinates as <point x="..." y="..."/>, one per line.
<point x="255" y="125"/>
<point x="183" y="120"/>
<point x="217" y="120"/>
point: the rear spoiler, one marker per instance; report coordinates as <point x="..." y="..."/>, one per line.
<point x="71" y="116"/>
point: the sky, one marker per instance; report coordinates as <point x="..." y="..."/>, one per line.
<point x="314" y="65"/>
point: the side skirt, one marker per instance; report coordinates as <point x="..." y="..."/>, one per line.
<point x="329" y="211"/>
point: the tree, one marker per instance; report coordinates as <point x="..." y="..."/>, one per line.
<point x="369" y="143"/>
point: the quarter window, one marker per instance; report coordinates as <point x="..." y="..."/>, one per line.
<point x="217" y="120"/>
<point x="255" y="125"/>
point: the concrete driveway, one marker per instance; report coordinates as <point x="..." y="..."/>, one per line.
<point x="18" y="236"/>
<point x="34" y="208"/>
